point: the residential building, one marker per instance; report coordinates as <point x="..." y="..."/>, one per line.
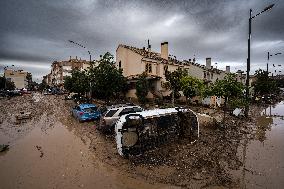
<point x="61" y="69"/>
<point x="134" y="61"/>
<point x="19" y="77"/>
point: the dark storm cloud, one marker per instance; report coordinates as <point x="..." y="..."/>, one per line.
<point x="38" y="31"/>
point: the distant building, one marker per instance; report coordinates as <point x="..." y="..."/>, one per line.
<point x="59" y="70"/>
<point x="19" y="77"/>
<point x="134" y="61"/>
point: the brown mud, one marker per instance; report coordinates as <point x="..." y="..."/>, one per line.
<point x="53" y="150"/>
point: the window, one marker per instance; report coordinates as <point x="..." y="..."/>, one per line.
<point x="126" y="111"/>
<point x="111" y="113"/>
<point x="166" y="69"/>
<point x="204" y="75"/>
<point x="119" y="64"/>
<point x="148" y="68"/>
<point x="211" y="75"/>
<point x="90" y="109"/>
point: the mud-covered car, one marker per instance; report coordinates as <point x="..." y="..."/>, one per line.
<point x="138" y="132"/>
<point x="112" y="114"/>
<point x="86" y="112"/>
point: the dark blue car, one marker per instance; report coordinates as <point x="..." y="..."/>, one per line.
<point x="86" y="112"/>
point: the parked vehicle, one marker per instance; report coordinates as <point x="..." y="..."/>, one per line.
<point x="113" y="113"/>
<point x="86" y="112"/>
<point x="138" y="132"/>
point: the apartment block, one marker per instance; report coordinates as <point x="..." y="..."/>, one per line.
<point x="134" y="61"/>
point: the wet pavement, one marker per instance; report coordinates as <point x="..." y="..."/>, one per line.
<point x="53" y="150"/>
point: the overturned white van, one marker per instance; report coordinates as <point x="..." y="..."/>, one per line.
<point x="142" y="131"/>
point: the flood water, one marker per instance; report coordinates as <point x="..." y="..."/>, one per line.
<point x="57" y="158"/>
<point x="263" y="156"/>
<point x="54" y="155"/>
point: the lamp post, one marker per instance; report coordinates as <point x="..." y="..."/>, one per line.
<point x="248" y="59"/>
<point x="268" y="55"/>
<point x="82" y="47"/>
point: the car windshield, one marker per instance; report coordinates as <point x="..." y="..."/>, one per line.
<point x="90" y="109"/>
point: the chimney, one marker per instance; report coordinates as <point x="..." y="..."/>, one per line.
<point x="70" y="58"/>
<point x="76" y="57"/>
<point x="164" y="50"/>
<point x="149" y="46"/>
<point x="208" y="63"/>
<point x="228" y="69"/>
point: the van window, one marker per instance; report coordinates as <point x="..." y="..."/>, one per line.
<point x="111" y="113"/>
<point x="126" y="111"/>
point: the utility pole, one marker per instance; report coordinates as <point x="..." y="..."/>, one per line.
<point x="248" y="59"/>
<point x="267" y="62"/>
<point x="248" y="67"/>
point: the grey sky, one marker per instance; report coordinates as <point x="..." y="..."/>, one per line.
<point x="33" y="33"/>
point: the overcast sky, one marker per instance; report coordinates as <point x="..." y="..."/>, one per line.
<point x="34" y="33"/>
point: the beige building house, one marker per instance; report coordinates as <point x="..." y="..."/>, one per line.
<point x="19" y="77"/>
<point x="59" y="70"/>
<point x="134" y="61"/>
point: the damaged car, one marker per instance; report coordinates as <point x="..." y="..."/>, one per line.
<point x="138" y="132"/>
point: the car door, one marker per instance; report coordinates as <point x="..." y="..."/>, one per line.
<point x="76" y="111"/>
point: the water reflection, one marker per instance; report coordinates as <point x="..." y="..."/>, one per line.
<point x="262" y="153"/>
<point x="263" y="124"/>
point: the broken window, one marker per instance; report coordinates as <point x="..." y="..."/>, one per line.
<point x="119" y="64"/>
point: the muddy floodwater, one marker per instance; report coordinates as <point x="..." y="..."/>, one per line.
<point x="263" y="156"/>
<point x="53" y="150"/>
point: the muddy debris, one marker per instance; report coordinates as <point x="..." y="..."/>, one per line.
<point x="206" y="162"/>
<point x="39" y="148"/>
<point x="4" y="147"/>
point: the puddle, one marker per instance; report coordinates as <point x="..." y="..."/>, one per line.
<point x="57" y="158"/>
<point x="263" y="157"/>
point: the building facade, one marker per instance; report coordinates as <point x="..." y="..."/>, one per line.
<point x="19" y="77"/>
<point x="61" y="69"/>
<point x="134" y="61"/>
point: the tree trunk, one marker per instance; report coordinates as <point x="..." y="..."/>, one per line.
<point x="225" y="109"/>
<point x="173" y="97"/>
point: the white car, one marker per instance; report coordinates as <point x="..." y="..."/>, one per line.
<point x="142" y="131"/>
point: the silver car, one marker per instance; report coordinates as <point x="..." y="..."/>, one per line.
<point x="113" y="113"/>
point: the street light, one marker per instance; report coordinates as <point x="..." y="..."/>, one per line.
<point x="268" y="55"/>
<point x="248" y="59"/>
<point x="82" y="47"/>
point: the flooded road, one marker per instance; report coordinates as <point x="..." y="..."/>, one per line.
<point x="45" y="153"/>
<point x="263" y="156"/>
<point x="53" y="150"/>
<point x="57" y="158"/>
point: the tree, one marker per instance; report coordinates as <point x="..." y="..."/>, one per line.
<point x="29" y="78"/>
<point x="192" y="86"/>
<point x="6" y="84"/>
<point x="142" y="88"/>
<point x="106" y="80"/>
<point x="228" y="88"/>
<point x="78" y="82"/>
<point x="264" y="84"/>
<point x="174" y="79"/>
<point x="43" y="85"/>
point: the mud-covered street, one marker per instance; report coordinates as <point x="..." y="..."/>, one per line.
<point x="53" y="150"/>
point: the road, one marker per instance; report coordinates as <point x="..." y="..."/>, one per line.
<point x="52" y="150"/>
